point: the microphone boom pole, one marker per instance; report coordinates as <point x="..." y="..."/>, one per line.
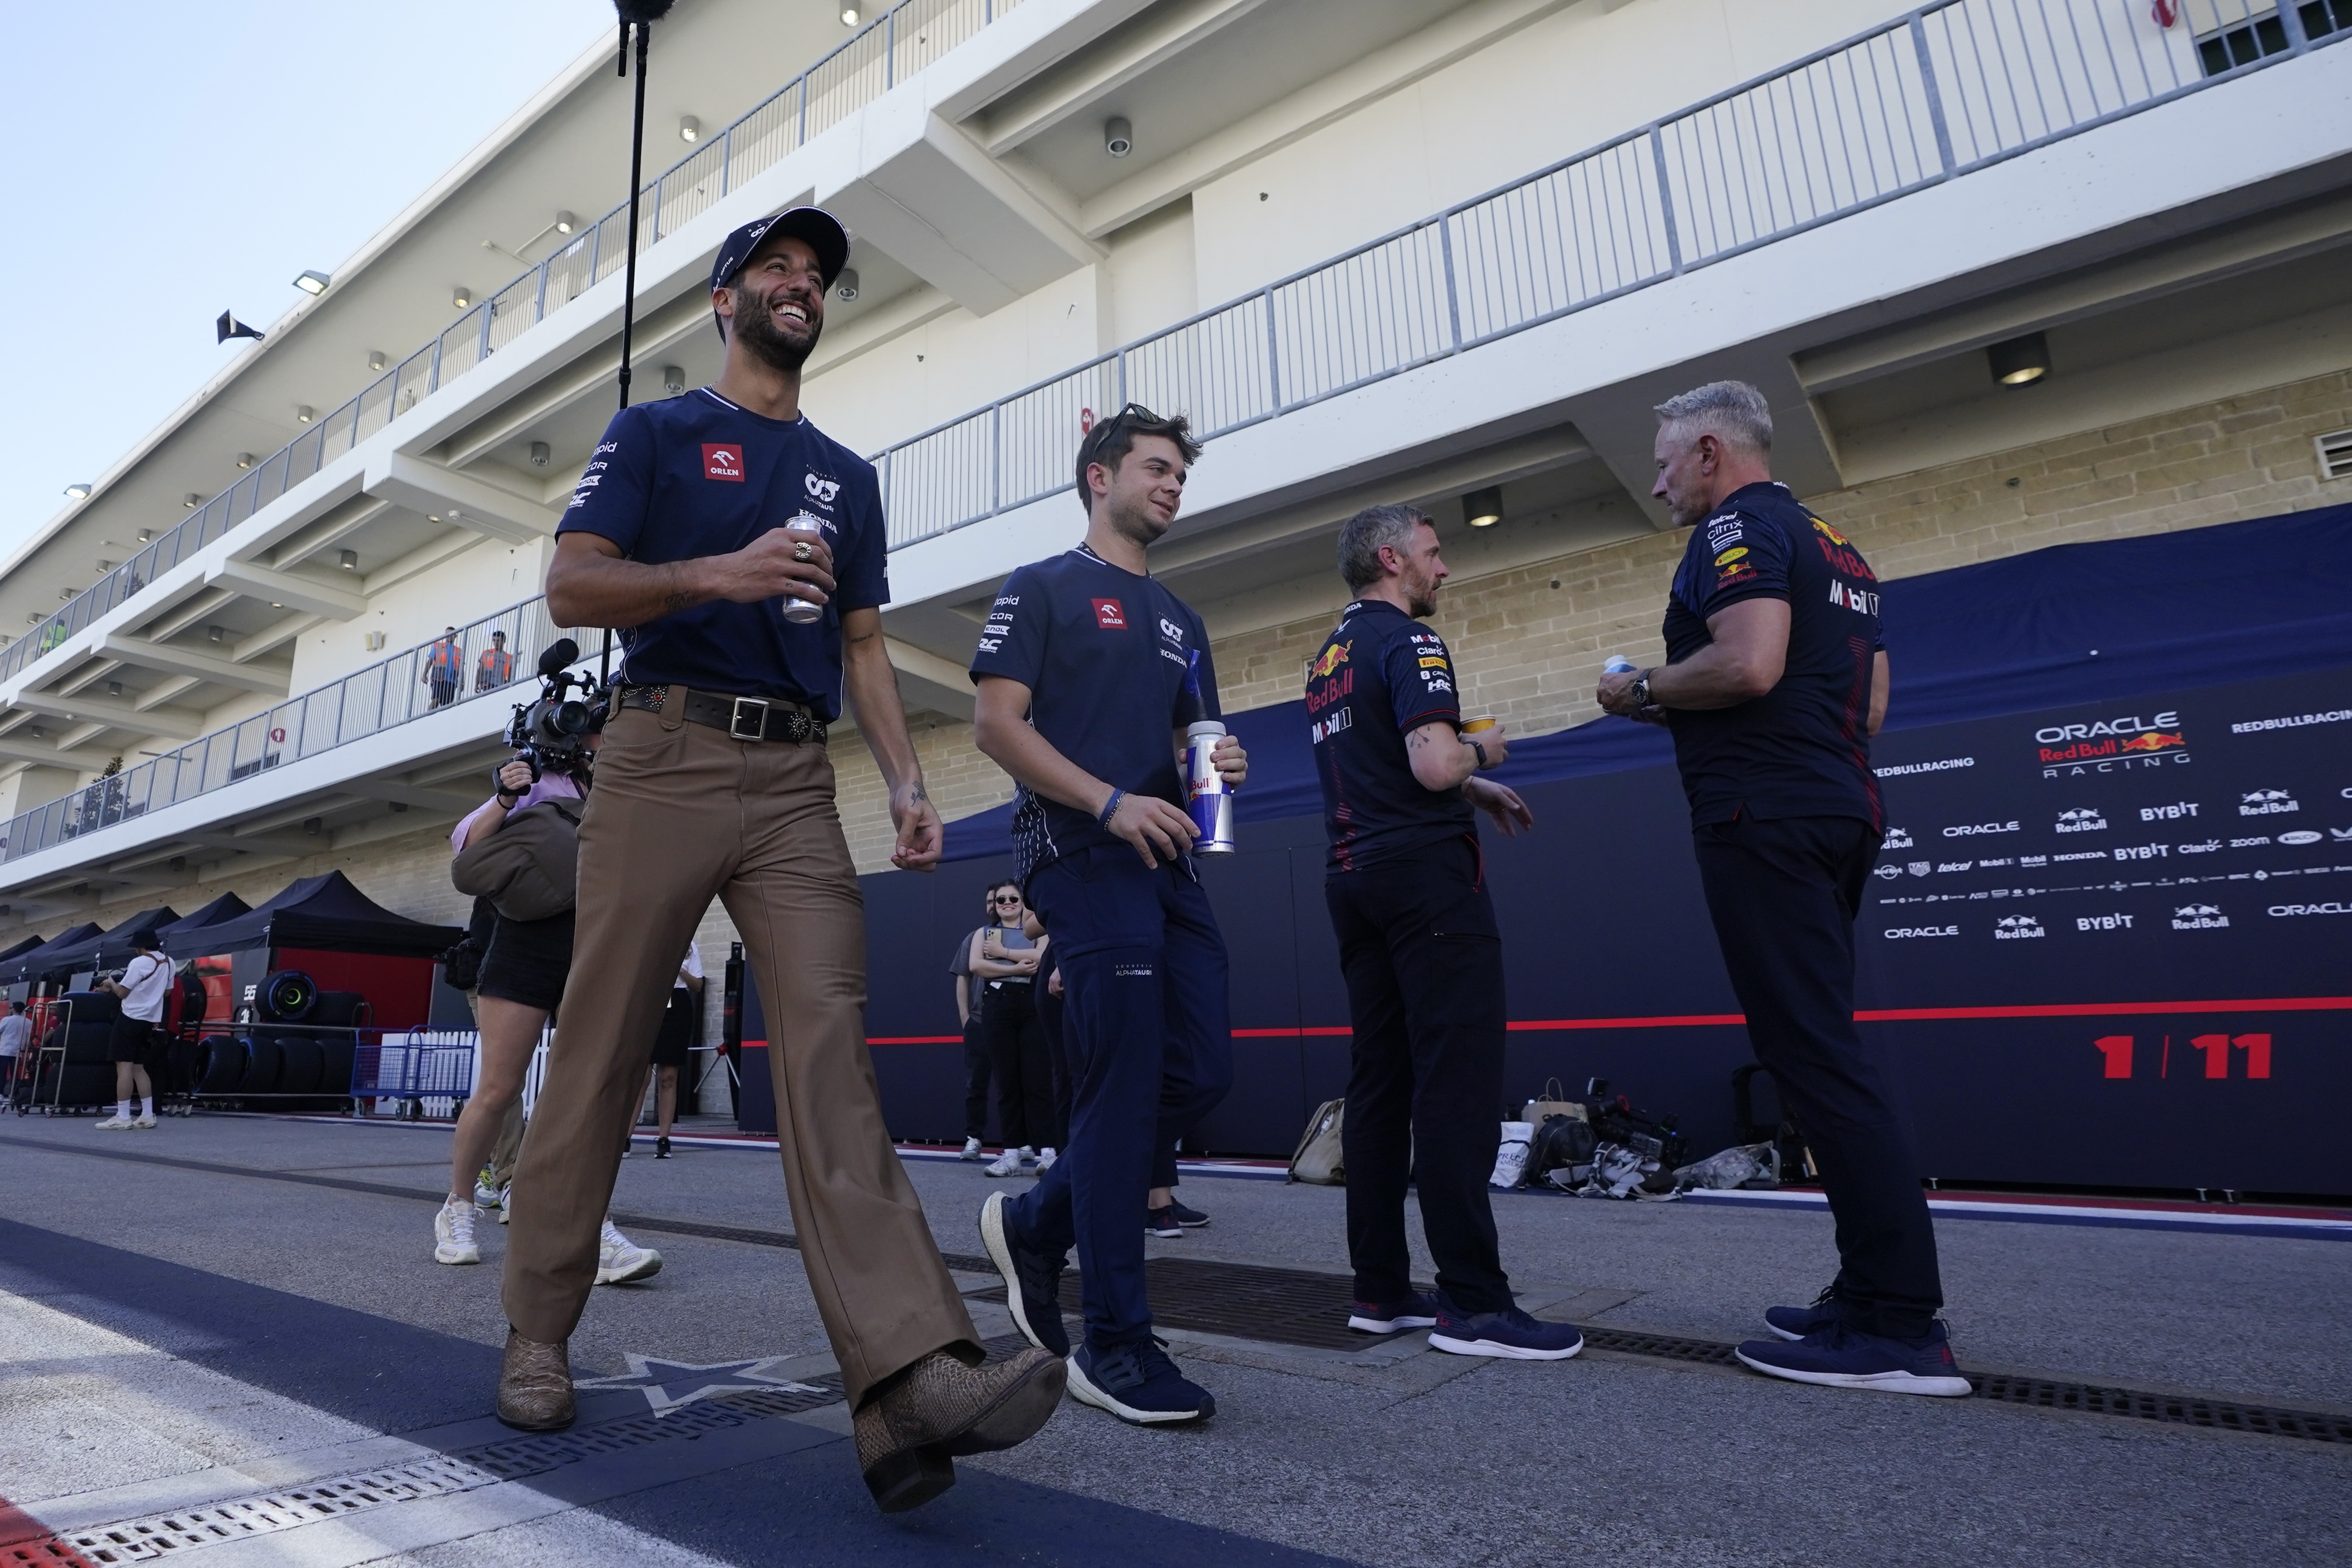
<point x="641" y="14"/>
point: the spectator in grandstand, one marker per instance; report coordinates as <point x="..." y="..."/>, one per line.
<point x="674" y="1046"/>
<point x="137" y="1036"/>
<point x="520" y="984"/>
<point x="1776" y="679"/>
<point x="1006" y="959"/>
<point x="496" y="666"/>
<point x="970" y="988"/>
<point x="444" y="662"/>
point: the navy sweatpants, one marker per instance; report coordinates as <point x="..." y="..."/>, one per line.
<point x="1150" y="1052"/>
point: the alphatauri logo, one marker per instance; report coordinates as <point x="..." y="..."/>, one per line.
<point x="820" y="491"/>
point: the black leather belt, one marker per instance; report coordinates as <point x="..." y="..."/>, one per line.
<point x="743" y="718"/>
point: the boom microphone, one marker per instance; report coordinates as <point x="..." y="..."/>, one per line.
<point x="560" y="655"/>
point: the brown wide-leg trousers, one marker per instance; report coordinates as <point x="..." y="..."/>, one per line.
<point x="680" y="812"/>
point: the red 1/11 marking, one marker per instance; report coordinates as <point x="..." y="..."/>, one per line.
<point x="2115" y="1053"/>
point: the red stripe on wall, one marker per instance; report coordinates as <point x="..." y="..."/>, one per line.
<point x="1873" y="1015"/>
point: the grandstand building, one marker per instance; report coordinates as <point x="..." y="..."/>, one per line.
<point x="2012" y="272"/>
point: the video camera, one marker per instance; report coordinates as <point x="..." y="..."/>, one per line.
<point x="553" y="731"/>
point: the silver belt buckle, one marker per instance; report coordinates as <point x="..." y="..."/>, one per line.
<point x="758" y="719"/>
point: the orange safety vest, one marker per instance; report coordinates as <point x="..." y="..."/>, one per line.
<point x="445" y="658"/>
<point x="497" y="668"/>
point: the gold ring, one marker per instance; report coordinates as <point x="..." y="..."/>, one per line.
<point x="801" y="552"/>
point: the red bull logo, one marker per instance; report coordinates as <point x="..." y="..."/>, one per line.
<point x="2154" y="740"/>
<point x="1328" y="664"/>
<point x="1830" y="534"/>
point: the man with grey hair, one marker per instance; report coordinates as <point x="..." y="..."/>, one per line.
<point x="1423" y="963"/>
<point x="1776" y="679"/>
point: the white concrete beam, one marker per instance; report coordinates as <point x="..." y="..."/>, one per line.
<point x="177" y="661"/>
<point x="926" y="680"/>
<point x="1080" y="83"/>
<point x="172" y="724"/>
<point x="460" y="500"/>
<point x="285" y="590"/>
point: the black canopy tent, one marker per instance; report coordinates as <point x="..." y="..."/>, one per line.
<point x="34" y="964"/>
<point x="227" y="906"/>
<point x="109" y="948"/>
<point x="325" y="913"/>
<point x="21" y="948"/>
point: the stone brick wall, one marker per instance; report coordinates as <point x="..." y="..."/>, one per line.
<point x="1529" y="643"/>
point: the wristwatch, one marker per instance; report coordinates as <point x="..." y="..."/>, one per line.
<point x="1640" y="690"/>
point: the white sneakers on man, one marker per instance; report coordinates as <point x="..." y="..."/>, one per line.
<point x="1045" y="1158"/>
<point x="620" y="1261"/>
<point x="143" y="1123"/>
<point x="1012" y="1161"/>
<point x="491" y="1199"/>
<point x="972" y="1149"/>
<point x="453" y="1233"/>
<point x="117" y="1122"/>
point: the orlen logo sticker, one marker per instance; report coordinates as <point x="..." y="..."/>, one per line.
<point x="1110" y="615"/>
<point x="723" y="462"/>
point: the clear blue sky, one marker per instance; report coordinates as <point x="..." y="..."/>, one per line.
<point x="167" y="161"/>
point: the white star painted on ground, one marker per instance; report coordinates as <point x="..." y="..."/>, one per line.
<point x="667" y="1385"/>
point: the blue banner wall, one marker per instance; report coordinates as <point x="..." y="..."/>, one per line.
<point x="2105" y="942"/>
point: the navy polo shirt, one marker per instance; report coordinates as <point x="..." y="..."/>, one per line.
<point x="1801" y="749"/>
<point x="697" y="475"/>
<point x="1104" y="654"/>
<point x="1378" y="678"/>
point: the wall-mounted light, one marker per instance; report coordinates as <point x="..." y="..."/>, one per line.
<point x="2020" y="362"/>
<point x="146" y="534"/>
<point x="191" y="500"/>
<point x="1483" y="508"/>
<point x="77" y="492"/>
<point x="348" y="560"/>
<point x="688" y="128"/>
<point x="845" y="285"/>
<point x="463" y="298"/>
<point x="565" y="222"/>
<point x="542" y="454"/>
<point x="1119" y="136"/>
<point x="304" y="414"/>
<point x="375" y="359"/>
<point x="313" y="282"/>
<point x="245" y="459"/>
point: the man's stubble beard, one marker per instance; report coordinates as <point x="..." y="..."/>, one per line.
<point x="755" y="323"/>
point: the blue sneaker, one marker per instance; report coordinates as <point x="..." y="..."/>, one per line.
<point x="1798" y="1323"/>
<point x="1138" y="1384"/>
<point x="1841" y="1356"/>
<point x="1161" y="1222"/>
<point x="1189" y="1219"/>
<point x="1033" y="1282"/>
<point x="1509" y="1333"/>
<point x="1418" y="1310"/>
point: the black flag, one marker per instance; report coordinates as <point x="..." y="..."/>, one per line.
<point x="229" y="327"/>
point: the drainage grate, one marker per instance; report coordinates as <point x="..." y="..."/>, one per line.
<point x="1660" y="1347"/>
<point x="1243" y="1301"/>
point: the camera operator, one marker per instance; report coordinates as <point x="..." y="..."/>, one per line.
<point x="134" y="1041"/>
<point x="520" y="982"/>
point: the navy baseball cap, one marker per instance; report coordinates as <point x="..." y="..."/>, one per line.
<point x="819" y="228"/>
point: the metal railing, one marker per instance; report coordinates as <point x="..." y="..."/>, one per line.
<point x="903" y="40"/>
<point x="1934" y="94"/>
<point x="483" y="660"/>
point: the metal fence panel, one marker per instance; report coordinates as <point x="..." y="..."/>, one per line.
<point x="1368" y="314"/>
<point x="1579" y="233"/>
<point x="939" y="480"/>
<point x="1213" y="369"/>
<point x="1038" y="432"/>
<point x="848" y="79"/>
<point x="2012" y="76"/>
<point x="692" y="188"/>
<point x="762" y="138"/>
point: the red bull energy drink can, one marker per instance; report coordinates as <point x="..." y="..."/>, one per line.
<point x="1205" y="794"/>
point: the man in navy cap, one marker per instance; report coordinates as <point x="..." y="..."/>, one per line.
<point x="741" y="554"/>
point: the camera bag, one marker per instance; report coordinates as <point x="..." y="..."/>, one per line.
<point x="528" y="869"/>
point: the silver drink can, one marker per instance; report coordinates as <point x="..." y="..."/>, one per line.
<point x="800" y="612"/>
<point x="1205" y="795"/>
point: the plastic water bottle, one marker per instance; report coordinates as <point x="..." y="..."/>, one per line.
<point x="1618" y="664"/>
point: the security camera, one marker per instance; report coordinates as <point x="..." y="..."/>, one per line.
<point x="1119" y="137"/>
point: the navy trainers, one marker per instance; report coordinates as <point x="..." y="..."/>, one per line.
<point x="1161" y="1222"/>
<point x="1138" y="1384"/>
<point x="1796" y="1322"/>
<point x="1841" y="1356"/>
<point x="1418" y="1310"/>
<point x="1033" y="1282"/>
<point x="1187" y="1218"/>
<point x="1509" y="1333"/>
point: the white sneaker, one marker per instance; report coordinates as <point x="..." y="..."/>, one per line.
<point x="1045" y="1158"/>
<point x="484" y="1195"/>
<point x="115" y="1124"/>
<point x="620" y="1261"/>
<point x="971" y="1148"/>
<point x="144" y="1122"/>
<point x="1011" y="1161"/>
<point x="505" y="1202"/>
<point x="453" y="1234"/>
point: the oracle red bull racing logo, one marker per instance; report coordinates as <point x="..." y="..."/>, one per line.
<point x="2110" y="744"/>
<point x="1333" y="657"/>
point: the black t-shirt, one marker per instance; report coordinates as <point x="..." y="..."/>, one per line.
<point x="1104" y="653"/>
<point x="1379" y="676"/>
<point x="1801" y="749"/>
<point x="698" y="476"/>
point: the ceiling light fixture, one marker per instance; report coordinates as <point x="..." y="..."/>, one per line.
<point x="375" y="359"/>
<point x="542" y="454"/>
<point x="845" y="285"/>
<point x="77" y="492"/>
<point x="463" y="298"/>
<point x="304" y="414"/>
<point x="688" y="128"/>
<point x="245" y="459"/>
<point x="191" y="500"/>
<point x="1483" y="508"/>
<point x="2020" y="362"/>
<point x="1119" y="136"/>
<point x="313" y="282"/>
<point x="849" y="15"/>
<point x="565" y="222"/>
<point x="349" y="560"/>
